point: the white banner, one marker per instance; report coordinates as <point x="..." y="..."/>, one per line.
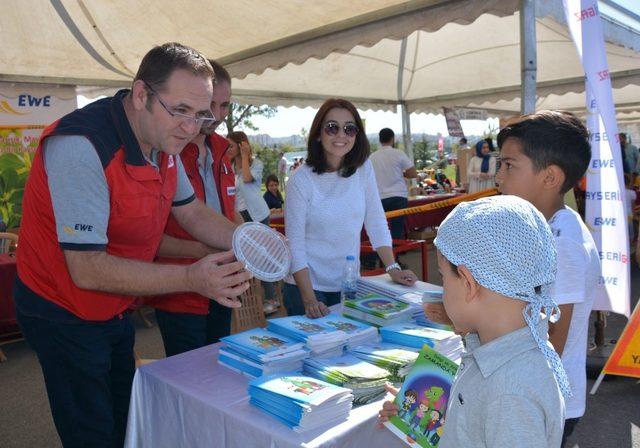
<point x="471" y="114"/>
<point x="605" y="196"/>
<point x="26" y="109"/>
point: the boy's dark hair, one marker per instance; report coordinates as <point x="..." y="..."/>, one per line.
<point x="354" y="159"/>
<point x="386" y="135"/>
<point x="220" y="73"/>
<point x="410" y="393"/>
<point x="161" y="61"/>
<point x="552" y="138"/>
<point x="463" y="141"/>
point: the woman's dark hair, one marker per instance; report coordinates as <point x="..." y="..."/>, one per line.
<point x="273" y="178"/>
<point x="238" y="137"/>
<point x="315" y="152"/>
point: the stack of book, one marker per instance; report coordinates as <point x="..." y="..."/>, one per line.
<point x="396" y="359"/>
<point x="358" y="333"/>
<point x="320" y="338"/>
<point x="301" y="402"/>
<point x="422" y="320"/>
<point x="414" y="296"/>
<point x="260" y="352"/>
<point x="446" y="342"/>
<point x="365" y="380"/>
<point x="377" y="309"/>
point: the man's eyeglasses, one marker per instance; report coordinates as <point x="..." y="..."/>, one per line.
<point x="199" y="119"/>
<point x="332" y="128"/>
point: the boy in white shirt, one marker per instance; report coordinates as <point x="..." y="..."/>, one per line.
<point x="542" y="156"/>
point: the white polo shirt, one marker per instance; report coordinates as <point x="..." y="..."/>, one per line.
<point x="389" y="165"/>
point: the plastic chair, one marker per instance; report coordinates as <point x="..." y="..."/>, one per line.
<point x="8" y="242"/>
<point x="251" y="314"/>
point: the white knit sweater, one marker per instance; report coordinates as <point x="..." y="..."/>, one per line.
<point x="324" y="215"/>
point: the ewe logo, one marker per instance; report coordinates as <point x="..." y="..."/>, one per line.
<point x="27" y="101"/>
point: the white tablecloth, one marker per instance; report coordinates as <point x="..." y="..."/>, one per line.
<point x="189" y="400"/>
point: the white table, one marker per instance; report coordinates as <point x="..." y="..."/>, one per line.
<point x="189" y="400"/>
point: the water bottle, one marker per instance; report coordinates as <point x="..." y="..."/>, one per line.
<point x="349" y="279"/>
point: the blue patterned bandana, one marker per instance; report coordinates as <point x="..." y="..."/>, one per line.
<point x="507" y="246"/>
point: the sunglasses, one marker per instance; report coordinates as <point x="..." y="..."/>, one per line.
<point x="332" y="128"/>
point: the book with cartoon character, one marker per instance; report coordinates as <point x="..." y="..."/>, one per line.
<point x="357" y="332"/>
<point x="261" y="345"/>
<point x="364" y="379"/>
<point x="319" y="337"/>
<point x="397" y="359"/>
<point x="301" y="402"/>
<point x="422" y="400"/>
<point x="413" y="335"/>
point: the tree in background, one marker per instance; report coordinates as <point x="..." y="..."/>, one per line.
<point x="424" y="153"/>
<point x="240" y="116"/>
<point x="14" y="170"/>
<point x="269" y="156"/>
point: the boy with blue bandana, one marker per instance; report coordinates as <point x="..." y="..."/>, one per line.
<point x="509" y="387"/>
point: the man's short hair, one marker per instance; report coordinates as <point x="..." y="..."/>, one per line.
<point x="552" y="138"/>
<point x="161" y="61"/>
<point x="221" y="73"/>
<point x="386" y="135"/>
<point x="463" y="141"/>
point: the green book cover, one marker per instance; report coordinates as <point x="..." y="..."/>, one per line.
<point x="422" y="400"/>
<point x="377" y="305"/>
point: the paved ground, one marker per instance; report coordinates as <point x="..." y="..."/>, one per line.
<point x="612" y="418"/>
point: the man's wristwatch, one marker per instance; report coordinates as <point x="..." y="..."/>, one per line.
<point x="392" y="266"/>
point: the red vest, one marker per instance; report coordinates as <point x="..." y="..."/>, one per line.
<point x="140" y="203"/>
<point x="224" y="177"/>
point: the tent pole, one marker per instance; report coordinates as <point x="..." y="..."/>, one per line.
<point x="528" y="57"/>
<point x="404" y="113"/>
<point x="406" y="130"/>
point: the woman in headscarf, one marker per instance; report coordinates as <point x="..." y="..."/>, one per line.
<point x="482" y="169"/>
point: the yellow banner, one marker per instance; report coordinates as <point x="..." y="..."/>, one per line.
<point x="625" y="359"/>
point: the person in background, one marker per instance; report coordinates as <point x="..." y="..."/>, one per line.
<point x="510" y="385"/>
<point x="392" y="167"/>
<point x="482" y="168"/>
<point x="329" y="198"/>
<point x="464" y="154"/>
<point x="631" y="197"/>
<point x="182" y="317"/>
<point x="272" y="196"/>
<point x="249" y="201"/>
<point x="102" y="185"/>
<point x="631" y="157"/>
<point x="282" y="170"/>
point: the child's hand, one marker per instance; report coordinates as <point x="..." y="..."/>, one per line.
<point x="389" y="409"/>
<point x="435" y="312"/>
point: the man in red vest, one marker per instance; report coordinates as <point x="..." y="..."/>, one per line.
<point x="188" y="320"/>
<point x="103" y="182"/>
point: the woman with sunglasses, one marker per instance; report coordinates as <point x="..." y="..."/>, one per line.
<point x="329" y="198"/>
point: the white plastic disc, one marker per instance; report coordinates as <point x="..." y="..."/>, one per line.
<point x="264" y="251"/>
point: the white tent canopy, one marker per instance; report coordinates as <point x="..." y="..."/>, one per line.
<point x="468" y="65"/>
<point x="423" y="54"/>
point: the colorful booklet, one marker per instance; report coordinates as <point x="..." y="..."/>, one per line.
<point x="397" y="359"/>
<point x="364" y="379"/>
<point x="422" y="400"/>
<point x="414" y="335"/>
<point x="262" y="345"/>
<point x="358" y="333"/>
<point x="299" y="401"/>
<point x="319" y="337"/>
<point x="378" y="305"/>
